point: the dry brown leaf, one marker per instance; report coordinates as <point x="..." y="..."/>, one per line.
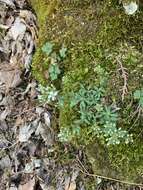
<point x="11" y="78"/>
<point x="28" y="186"/>
<point x="12" y="188"/>
<point x="28" y="15"/>
<point x="27" y="61"/>
<point x="9" y="21"/>
<point x="8" y="2"/>
<point x="39" y="110"/>
<point x="72" y="186"/>
<point x="67" y="183"/>
<point x="17" y="29"/>
<point x="47" y="119"/>
<point x="26" y="130"/>
<point x="45" y="133"/>
<point x="29" y="19"/>
<point x="4" y="114"/>
<point x="19" y="121"/>
<point x="7" y="101"/>
<point x="70" y="183"/>
<point x="21" y="3"/>
<point x="10" y="75"/>
<point x="5" y="162"/>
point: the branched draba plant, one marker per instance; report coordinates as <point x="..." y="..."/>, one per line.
<point x="54" y="58"/>
<point x="93" y="115"/>
<point x="47" y="94"/>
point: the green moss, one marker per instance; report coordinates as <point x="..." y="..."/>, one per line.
<point x="97" y="33"/>
<point x="124" y="161"/>
<point x="73" y="21"/>
<point x="128" y="160"/>
<point x="59" y="22"/>
<point x="44" y="10"/>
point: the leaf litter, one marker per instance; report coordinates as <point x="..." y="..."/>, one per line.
<point x="26" y="131"/>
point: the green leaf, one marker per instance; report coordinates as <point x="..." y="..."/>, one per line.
<point x="47" y="48"/>
<point x="141" y="102"/>
<point x="62" y="52"/>
<point x="137" y="94"/>
<point x="93" y="117"/>
<point x="54" y="71"/>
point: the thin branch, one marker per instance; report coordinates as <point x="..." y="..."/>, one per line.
<point x="84" y="171"/>
<point x="138" y="112"/>
<point x="125" y="79"/>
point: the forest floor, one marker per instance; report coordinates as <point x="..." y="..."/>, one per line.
<point x="31" y="157"/>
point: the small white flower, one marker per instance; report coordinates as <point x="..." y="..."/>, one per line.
<point x="130" y="8"/>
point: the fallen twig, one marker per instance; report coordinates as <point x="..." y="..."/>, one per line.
<point x="138" y="112"/>
<point x="85" y="171"/>
<point x="125" y="78"/>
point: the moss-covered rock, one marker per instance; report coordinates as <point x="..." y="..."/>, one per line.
<point x="117" y="161"/>
<point x="98" y="33"/>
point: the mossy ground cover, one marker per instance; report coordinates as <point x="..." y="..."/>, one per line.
<point x="97" y="33"/>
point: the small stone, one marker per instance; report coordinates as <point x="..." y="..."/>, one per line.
<point x="130" y="8"/>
